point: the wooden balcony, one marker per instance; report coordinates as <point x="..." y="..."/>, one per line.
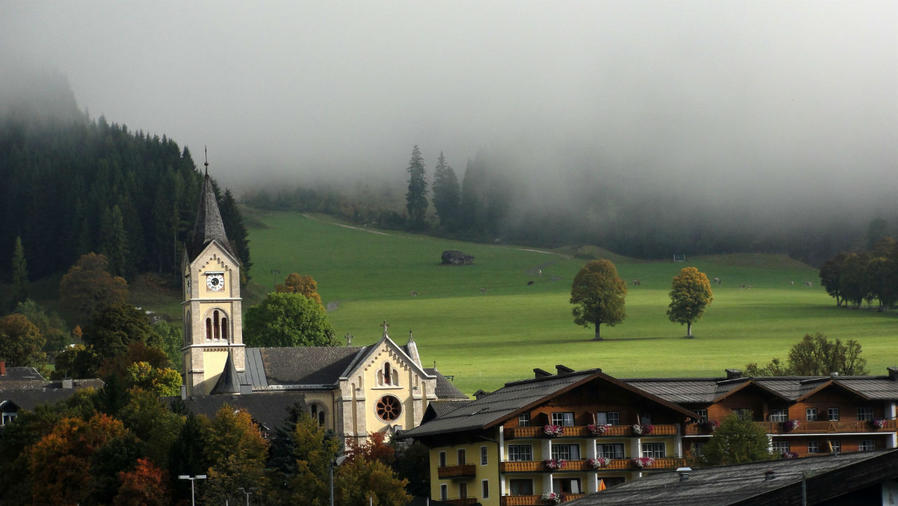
<point x="581" y="431"/>
<point x="533" y="500"/>
<point x="805" y="427"/>
<point x="538" y="466"/>
<point x="463" y="502"/>
<point x="456" y="472"/>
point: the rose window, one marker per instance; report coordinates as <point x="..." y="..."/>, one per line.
<point x="388" y="408"/>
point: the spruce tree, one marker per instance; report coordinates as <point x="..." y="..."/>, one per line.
<point x="236" y="231"/>
<point x="416" y="198"/>
<point x="446" y="194"/>
<point x="19" y="274"/>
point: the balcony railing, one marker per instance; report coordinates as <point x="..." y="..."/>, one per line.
<point x="464" y="471"/>
<point x="463" y="502"/>
<point x="533" y="500"/>
<point x="538" y="466"/>
<point x="805" y="427"/>
<point x="581" y="431"/>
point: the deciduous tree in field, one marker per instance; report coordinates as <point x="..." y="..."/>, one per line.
<point x="737" y="441"/>
<point x="416" y="197"/>
<point x="88" y="287"/>
<point x="690" y="294"/>
<point x="302" y="284"/>
<point x="816" y="356"/>
<point x="288" y="319"/>
<point x="598" y="295"/>
<point x="20" y="341"/>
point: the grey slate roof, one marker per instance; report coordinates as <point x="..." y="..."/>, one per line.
<point x="267" y="408"/>
<point x="20" y="374"/>
<point x="445" y="389"/>
<point x="791" y="388"/>
<point x="745" y="483"/>
<point x="208" y="225"/>
<point x="500" y="405"/>
<point x="28" y="394"/>
<point x="306" y="365"/>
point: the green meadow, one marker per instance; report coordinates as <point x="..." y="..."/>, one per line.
<point x="486" y="323"/>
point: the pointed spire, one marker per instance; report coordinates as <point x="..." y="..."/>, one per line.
<point x="385" y="326"/>
<point x="412" y="349"/>
<point x="208" y="225"/>
<point x="228" y="383"/>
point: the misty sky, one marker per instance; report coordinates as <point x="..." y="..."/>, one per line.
<point x="713" y="94"/>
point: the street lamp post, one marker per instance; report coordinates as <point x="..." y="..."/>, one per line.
<point x="192" y="479"/>
<point x="248" y="492"/>
<point x="334" y="463"/>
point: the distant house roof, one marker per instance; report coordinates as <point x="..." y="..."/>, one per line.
<point x="790" y="388"/>
<point x="445" y="389"/>
<point x="269" y="409"/>
<point x="30" y="393"/>
<point x="492" y="409"/>
<point x="20" y="374"/>
<point x="772" y="482"/>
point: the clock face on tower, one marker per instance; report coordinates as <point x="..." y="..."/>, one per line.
<point x="215" y="282"/>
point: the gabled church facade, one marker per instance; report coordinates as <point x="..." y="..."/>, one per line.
<point x="354" y="391"/>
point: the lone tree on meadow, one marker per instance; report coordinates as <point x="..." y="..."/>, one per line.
<point x="690" y="294"/>
<point x="288" y="319"/>
<point x="816" y="356"/>
<point x="416" y="198"/>
<point x="598" y="294"/>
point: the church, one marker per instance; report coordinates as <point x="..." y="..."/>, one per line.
<point x="354" y="391"/>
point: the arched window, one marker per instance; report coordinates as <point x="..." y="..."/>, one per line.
<point x="317" y="413"/>
<point x="224" y="328"/>
<point x="395" y="378"/>
<point x="216" y="325"/>
<point x="321" y="418"/>
<point x="208" y="328"/>
<point x="380" y="378"/>
<point x="387" y="376"/>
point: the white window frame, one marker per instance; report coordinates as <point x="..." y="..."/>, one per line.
<point x="612" y="454"/>
<point x="779" y="415"/>
<point x="702" y="414"/>
<point x="654" y="449"/>
<point x="832" y="414"/>
<point x="865" y="414"/>
<point x="532" y="489"/>
<point x="485" y="489"/>
<point x="813" y="447"/>
<point x="837" y="446"/>
<point x="780" y="447"/>
<point x="515" y="452"/>
<point x="561" y="417"/>
<point x="810" y="414"/>
<point x="566" y="451"/>
<point x="483" y="455"/>
<point x="866" y="445"/>
<point x="524" y="420"/>
<point x="608" y="418"/>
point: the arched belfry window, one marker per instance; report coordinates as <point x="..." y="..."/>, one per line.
<point x="216" y="325"/>
<point x="208" y="328"/>
<point x="387" y="376"/>
<point x="224" y="329"/>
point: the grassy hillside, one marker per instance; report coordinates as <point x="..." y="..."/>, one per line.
<point x="485" y="324"/>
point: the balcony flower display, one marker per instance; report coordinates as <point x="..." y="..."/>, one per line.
<point x="643" y="462"/>
<point x="597" y="429"/>
<point x="709" y="425"/>
<point x="551" y="498"/>
<point x="790" y="455"/>
<point x="597" y="463"/>
<point x="553" y="464"/>
<point x="642" y="429"/>
<point x="552" y="430"/>
<point x="790" y="425"/>
<point x="878" y="423"/>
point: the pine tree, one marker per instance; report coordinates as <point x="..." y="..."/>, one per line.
<point x="236" y="231"/>
<point x="416" y="198"/>
<point x="446" y="194"/>
<point x="115" y="241"/>
<point x="19" y="274"/>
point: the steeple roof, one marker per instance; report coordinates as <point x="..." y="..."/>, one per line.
<point x="228" y="382"/>
<point x="208" y="226"/>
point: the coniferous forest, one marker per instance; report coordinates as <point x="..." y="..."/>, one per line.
<point x="72" y="185"/>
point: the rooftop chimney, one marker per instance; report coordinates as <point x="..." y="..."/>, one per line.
<point x="893" y="373"/>
<point x="769" y="475"/>
<point x="2" y="367"/>
<point x="479" y="393"/>
<point x="68" y="384"/>
<point x="733" y="374"/>
<point x="539" y="373"/>
<point x="561" y="369"/>
<point x="684" y="473"/>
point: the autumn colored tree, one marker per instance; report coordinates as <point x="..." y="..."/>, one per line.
<point x="598" y="295"/>
<point x="144" y="486"/>
<point x="20" y="341"/>
<point x="302" y="284"/>
<point x="690" y="294"/>
<point x="113" y="328"/>
<point x="287" y="319"/>
<point x="88" y="287"/>
<point x="363" y="481"/>
<point x="374" y="448"/>
<point x="313" y="450"/>
<point x="237" y="453"/>
<point x="51" y="325"/>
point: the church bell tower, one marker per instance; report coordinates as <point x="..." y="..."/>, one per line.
<point x="213" y="323"/>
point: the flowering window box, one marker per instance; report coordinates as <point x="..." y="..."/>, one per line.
<point x="790" y="425"/>
<point x="597" y="429"/>
<point x="552" y="430"/>
<point x="709" y="425"/>
<point x="643" y="462"/>
<point x="551" y="498"/>
<point x="640" y="430"/>
<point x="878" y="423"/>
<point x="597" y="463"/>
<point x="553" y="464"/>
